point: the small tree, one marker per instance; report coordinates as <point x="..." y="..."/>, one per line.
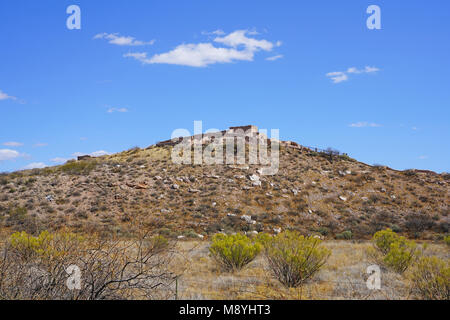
<point x="233" y="252"/>
<point x="294" y="259"/>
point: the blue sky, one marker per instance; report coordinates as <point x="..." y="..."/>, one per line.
<point x="137" y="70"/>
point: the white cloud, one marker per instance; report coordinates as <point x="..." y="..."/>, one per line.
<point x="115" y="38"/>
<point x="239" y="38"/>
<point x="93" y="154"/>
<point x="423" y="157"/>
<point x="60" y="160"/>
<point x="111" y="110"/>
<point x="239" y="47"/>
<point x="218" y="32"/>
<point x="4" y="96"/>
<point x="364" y="124"/>
<point x="99" y="153"/>
<point x="8" y="154"/>
<point x="40" y="145"/>
<point x="35" y="165"/>
<point x="13" y="144"/>
<point x="340" y="76"/>
<point x="273" y="58"/>
<point x="337" y="76"/>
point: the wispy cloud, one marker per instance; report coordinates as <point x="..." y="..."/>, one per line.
<point x="337" y="76"/>
<point x="8" y="154"/>
<point x="40" y="145"/>
<point x="60" y="160"/>
<point x="111" y="110"/>
<point x="364" y="124"/>
<point x="4" y="96"/>
<point x="217" y="32"/>
<point x="115" y="38"/>
<point x="13" y="144"/>
<point x="34" y="165"/>
<point x="273" y="58"/>
<point x="236" y="46"/>
<point x="423" y="157"/>
<point x="340" y="76"/>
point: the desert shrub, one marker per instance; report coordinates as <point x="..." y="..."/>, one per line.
<point x="79" y="167"/>
<point x="447" y="240"/>
<point x="430" y="279"/>
<point x="346" y="235"/>
<point x="36" y="267"/>
<point x="393" y="251"/>
<point x="233" y="252"/>
<point x="294" y="259"/>
<point x="418" y="222"/>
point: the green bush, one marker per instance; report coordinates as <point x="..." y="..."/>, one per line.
<point x="79" y="167"/>
<point x="431" y="279"/>
<point x="294" y="259"/>
<point x="447" y="240"/>
<point x="393" y="251"/>
<point x="346" y="235"/>
<point x="233" y="252"/>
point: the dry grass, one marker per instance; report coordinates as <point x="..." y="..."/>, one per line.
<point x="343" y="276"/>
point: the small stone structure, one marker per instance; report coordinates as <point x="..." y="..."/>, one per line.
<point x="86" y="157"/>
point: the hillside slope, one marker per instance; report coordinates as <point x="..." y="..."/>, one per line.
<point x="142" y="187"/>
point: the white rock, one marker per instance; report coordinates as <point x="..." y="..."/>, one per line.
<point x="248" y="219"/>
<point x="200" y="236"/>
<point x="180" y="237"/>
<point x="277" y="230"/>
<point x="256" y="183"/>
<point x="343" y="198"/>
<point x="254" y="177"/>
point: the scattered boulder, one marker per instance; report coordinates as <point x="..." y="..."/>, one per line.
<point x="248" y="219"/>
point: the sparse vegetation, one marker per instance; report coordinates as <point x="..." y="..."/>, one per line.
<point x="431" y="279"/>
<point x="36" y="267"/>
<point x="79" y="167"/>
<point x="393" y="251"/>
<point x="293" y="259"/>
<point x="233" y="252"/>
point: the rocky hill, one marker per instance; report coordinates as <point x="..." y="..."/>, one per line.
<point x="315" y="192"/>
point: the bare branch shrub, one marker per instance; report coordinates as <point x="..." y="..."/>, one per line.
<point x="35" y="267"/>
